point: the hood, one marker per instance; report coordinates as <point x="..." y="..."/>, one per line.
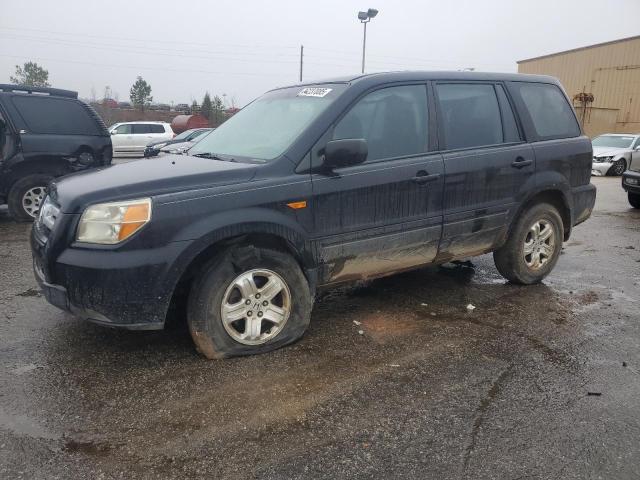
<point x="608" y="151"/>
<point x="144" y="178"/>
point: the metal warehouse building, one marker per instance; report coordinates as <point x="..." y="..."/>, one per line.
<point x="603" y="80"/>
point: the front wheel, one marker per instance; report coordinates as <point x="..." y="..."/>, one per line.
<point x="618" y="167"/>
<point x="634" y="199"/>
<point x="26" y="196"/>
<point x="248" y="301"/>
<point x="533" y="247"/>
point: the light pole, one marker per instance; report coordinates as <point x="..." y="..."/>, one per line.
<point x="365" y="17"/>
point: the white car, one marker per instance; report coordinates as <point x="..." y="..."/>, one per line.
<point x="612" y="153"/>
<point x="131" y="138"/>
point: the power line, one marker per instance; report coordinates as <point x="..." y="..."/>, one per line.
<point x="141" y="67"/>
<point x="146" y="41"/>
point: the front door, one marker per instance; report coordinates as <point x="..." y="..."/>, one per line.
<point x="384" y="215"/>
<point x="486" y="165"/>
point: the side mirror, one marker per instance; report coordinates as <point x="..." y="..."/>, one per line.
<point x="637" y="149"/>
<point x="345" y="152"/>
<point x="113" y="132"/>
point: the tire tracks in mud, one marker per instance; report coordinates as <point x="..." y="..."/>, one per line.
<point x="479" y="419"/>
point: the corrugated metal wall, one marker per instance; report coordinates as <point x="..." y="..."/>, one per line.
<point x="611" y="72"/>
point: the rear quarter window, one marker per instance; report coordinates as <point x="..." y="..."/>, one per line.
<point x="549" y="110"/>
<point x="55" y="116"/>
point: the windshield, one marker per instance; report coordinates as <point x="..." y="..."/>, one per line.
<point x="613" y="141"/>
<point x="183" y="135"/>
<point x="265" y="128"/>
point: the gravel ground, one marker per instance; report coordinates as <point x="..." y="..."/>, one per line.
<point x="536" y="382"/>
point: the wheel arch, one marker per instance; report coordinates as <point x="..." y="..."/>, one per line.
<point x="252" y="234"/>
<point x="553" y="195"/>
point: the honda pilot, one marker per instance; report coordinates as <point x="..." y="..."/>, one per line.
<point x="314" y="185"/>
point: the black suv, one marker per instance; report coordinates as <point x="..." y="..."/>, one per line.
<point x="45" y="133"/>
<point x="313" y="185"/>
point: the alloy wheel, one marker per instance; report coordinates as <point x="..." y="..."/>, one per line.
<point x="256" y="306"/>
<point x="539" y="244"/>
<point x="32" y="199"/>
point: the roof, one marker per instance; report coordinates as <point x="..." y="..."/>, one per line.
<point x="58" y="92"/>
<point x="384" y="77"/>
<point x="580" y="48"/>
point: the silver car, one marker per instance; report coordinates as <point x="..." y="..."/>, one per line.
<point x="612" y="153"/>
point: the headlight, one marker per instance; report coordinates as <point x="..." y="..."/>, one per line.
<point x="603" y="159"/>
<point x="111" y="223"/>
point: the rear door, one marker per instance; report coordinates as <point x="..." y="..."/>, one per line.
<point x="142" y="135"/>
<point x="487" y="165"/>
<point x="384" y="215"/>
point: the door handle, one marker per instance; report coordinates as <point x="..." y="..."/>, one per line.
<point x="521" y="162"/>
<point x="423" y="177"/>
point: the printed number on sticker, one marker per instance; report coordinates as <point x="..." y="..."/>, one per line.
<point x="314" y="92"/>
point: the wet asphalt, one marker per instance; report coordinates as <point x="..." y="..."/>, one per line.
<point x="394" y="379"/>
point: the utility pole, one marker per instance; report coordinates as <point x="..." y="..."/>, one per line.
<point x="364" y="43"/>
<point x="301" y="58"/>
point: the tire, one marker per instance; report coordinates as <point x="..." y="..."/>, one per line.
<point x="26" y="195"/>
<point x="86" y="157"/>
<point x="634" y="199"/>
<point x="510" y="259"/>
<point x="215" y="338"/>
<point x="618" y="168"/>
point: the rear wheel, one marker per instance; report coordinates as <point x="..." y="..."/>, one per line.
<point x="533" y="247"/>
<point x="248" y="301"/>
<point x="26" y="196"/>
<point x="634" y="199"/>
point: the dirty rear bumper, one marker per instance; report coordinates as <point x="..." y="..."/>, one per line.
<point x="584" y="199"/>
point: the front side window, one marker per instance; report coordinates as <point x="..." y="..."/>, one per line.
<point x="267" y="127"/>
<point x="470" y="115"/>
<point x="550" y="112"/>
<point x="123" y="129"/>
<point x="392" y="120"/>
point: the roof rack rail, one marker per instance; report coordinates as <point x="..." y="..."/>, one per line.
<point x="51" y="91"/>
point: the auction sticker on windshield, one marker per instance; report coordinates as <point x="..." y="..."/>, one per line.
<point x="314" y="92"/>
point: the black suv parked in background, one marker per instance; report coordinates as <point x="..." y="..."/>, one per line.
<point x="313" y="185"/>
<point x="45" y="133"/>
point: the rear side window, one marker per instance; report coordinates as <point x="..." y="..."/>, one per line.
<point x="392" y="120"/>
<point x="141" y="128"/>
<point x="55" y="116"/>
<point x="470" y="115"/>
<point x="156" y="128"/>
<point x="549" y="110"/>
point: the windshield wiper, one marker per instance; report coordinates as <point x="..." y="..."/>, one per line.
<point x="213" y="156"/>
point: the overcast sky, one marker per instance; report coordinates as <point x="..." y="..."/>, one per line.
<point x="243" y="47"/>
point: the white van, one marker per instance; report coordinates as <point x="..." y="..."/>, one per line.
<point x="129" y="139"/>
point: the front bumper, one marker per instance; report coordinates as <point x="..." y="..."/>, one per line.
<point x="130" y="290"/>
<point x="600" y="169"/>
<point x="631" y="181"/>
